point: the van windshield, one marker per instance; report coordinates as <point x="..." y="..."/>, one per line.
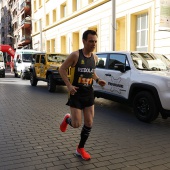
<point x="27" y="57"/>
<point x="1" y="58"/>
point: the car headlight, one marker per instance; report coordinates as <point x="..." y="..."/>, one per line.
<point x="2" y="67"/>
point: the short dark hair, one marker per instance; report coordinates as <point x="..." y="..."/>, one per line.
<point x="86" y="33"/>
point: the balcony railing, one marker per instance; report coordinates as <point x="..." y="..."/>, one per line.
<point x="25" y="37"/>
<point x="13" y="5"/>
<point x="24" y="21"/>
<point x="25" y="40"/>
<point x="14" y="19"/>
<point x="25" y="6"/>
<point x="27" y="1"/>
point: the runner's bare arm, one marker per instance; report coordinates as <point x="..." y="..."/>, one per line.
<point x="69" y="62"/>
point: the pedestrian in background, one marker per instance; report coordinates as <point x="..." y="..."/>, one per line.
<point x="81" y="95"/>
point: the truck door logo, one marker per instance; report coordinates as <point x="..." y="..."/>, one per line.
<point x="115" y="85"/>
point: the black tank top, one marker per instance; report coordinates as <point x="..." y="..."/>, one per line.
<point x="82" y="73"/>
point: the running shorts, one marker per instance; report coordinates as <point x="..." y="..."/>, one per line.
<point x="80" y="102"/>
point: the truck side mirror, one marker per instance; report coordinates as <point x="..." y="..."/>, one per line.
<point x="120" y="67"/>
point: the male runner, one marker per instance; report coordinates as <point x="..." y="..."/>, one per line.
<point x="81" y="96"/>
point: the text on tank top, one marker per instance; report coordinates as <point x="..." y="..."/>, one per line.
<point x="82" y="73"/>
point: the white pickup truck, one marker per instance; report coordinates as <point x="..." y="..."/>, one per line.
<point x="140" y="79"/>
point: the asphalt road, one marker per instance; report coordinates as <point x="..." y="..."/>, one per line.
<point x="30" y="138"/>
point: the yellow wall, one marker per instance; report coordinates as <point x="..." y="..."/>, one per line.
<point x="98" y="14"/>
<point x="121" y="35"/>
<point x="63" y="44"/>
<point x="133" y="33"/>
<point x="75" y="41"/>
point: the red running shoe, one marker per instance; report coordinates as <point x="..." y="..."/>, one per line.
<point x="63" y="125"/>
<point x="81" y="152"/>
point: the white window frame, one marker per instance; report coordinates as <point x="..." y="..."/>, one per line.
<point x="139" y="30"/>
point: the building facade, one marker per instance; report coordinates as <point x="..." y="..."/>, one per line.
<point x="138" y="24"/>
<point x="15" y="23"/>
<point x="5" y="25"/>
<point x="57" y="26"/>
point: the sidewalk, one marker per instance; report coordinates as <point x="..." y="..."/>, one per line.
<point x="30" y="138"/>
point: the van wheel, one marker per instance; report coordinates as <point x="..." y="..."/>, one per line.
<point x="51" y="84"/>
<point x="145" y="107"/>
<point x="33" y="79"/>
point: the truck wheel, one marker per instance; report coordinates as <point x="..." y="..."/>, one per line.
<point x="33" y="79"/>
<point x="51" y="84"/>
<point x="145" y="107"/>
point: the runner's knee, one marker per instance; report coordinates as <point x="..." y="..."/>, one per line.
<point x="88" y="123"/>
<point x="76" y="124"/>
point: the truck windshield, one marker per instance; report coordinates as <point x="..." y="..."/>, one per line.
<point x="150" y="61"/>
<point x="1" y="58"/>
<point x="59" y="58"/>
<point x="27" y="58"/>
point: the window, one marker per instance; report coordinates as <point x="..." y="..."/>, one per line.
<point x="65" y="12"/>
<point x="52" y="45"/>
<point x="101" y="60"/>
<point x="35" y="27"/>
<point x="26" y="57"/>
<point x="43" y="59"/>
<point x="116" y="59"/>
<point x="37" y="58"/>
<point x="54" y="15"/>
<point x="75" y="38"/>
<point x="35" y="5"/>
<point x="63" y="44"/>
<point x="63" y="9"/>
<point x="142" y="32"/>
<point x="90" y="1"/>
<point x="76" y="5"/>
<point x="47" y="20"/>
<point x="1" y="57"/>
<point x="40" y="3"/>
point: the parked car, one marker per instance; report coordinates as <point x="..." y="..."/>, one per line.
<point x="45" y="68"/>
<point x="140" y="79"/>
<point x="22" y="62"/>
<point x="2" y="65"/>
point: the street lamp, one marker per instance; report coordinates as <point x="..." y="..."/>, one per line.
<point x="15" y="38"/>
<point x="40" y="27"/>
